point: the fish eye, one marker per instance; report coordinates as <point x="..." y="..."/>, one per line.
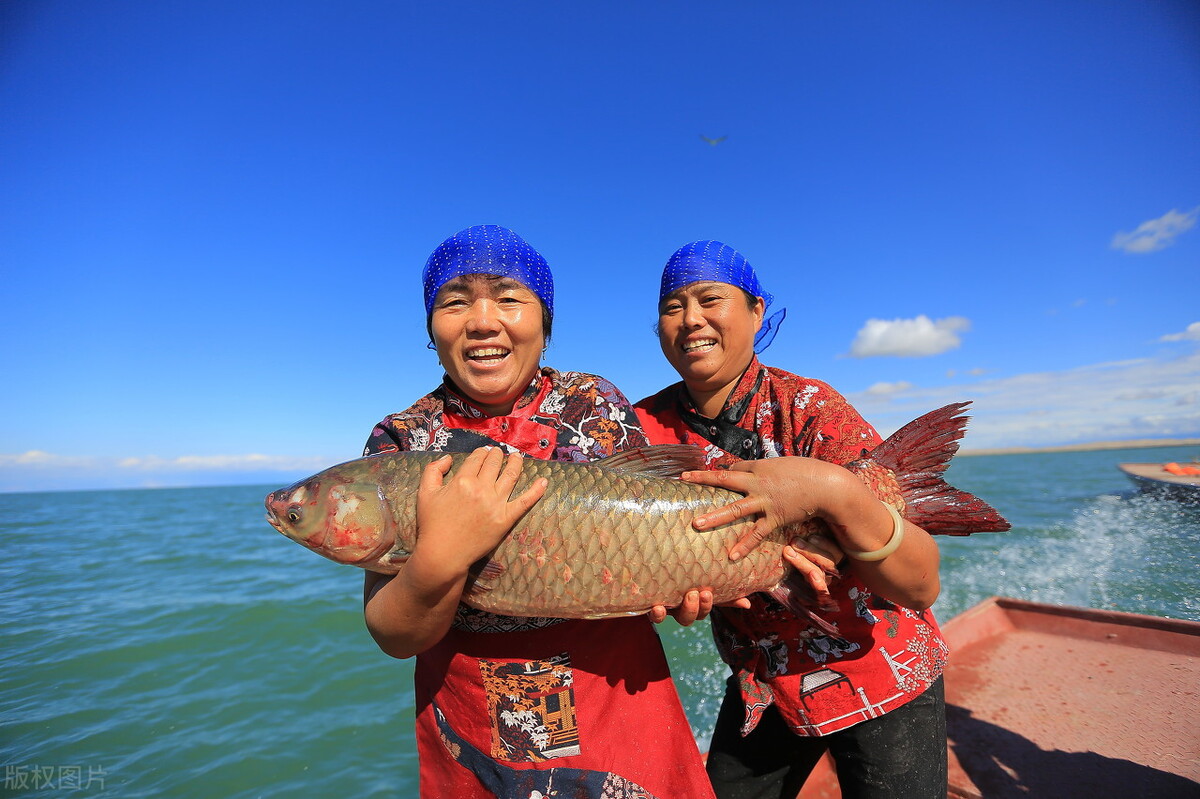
<point x="293" y="514"/>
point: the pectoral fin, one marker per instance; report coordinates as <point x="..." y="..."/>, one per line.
<point x="483" y="577"/>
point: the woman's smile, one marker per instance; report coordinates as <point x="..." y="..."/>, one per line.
<point x="487" y="356"/>
<point x="701" y="345"/>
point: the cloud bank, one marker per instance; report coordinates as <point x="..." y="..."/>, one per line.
<point x="1148" y="398"/>
<point x="1155" y="234"/>
<point x="36" y="470"/>
<point x="908" y="338"/>
<point x="1145" y="398"/>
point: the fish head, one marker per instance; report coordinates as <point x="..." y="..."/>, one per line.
<point x="340" y="518"/>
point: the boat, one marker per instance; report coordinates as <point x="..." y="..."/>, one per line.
<point x="1051" y="701"/>
<point x="1173" y="480"/>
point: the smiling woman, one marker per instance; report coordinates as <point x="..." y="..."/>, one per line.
<point x="513" y="706"/>
<point x="871" y="694"/>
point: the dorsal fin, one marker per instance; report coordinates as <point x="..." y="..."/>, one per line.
<point x="661" y="460"/>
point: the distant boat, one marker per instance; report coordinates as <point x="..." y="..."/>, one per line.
<point x="1175" y="480"/>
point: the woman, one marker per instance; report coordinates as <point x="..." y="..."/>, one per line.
<point x="872" y="695"/>
<point x="515" y="706"/>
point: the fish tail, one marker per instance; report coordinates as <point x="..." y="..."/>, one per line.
<point x="918" y="454"/>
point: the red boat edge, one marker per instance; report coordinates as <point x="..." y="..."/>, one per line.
<point x="1048" y="700"/>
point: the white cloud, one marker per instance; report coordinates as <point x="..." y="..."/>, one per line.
<point x="227" y="463"/>
<point x="1116" y="401"/>
<point x="976" y="372"/>
<point x="1156" y="234"/>
<point x="1192" y="333"/>
<point x="36" y="459"/>
<point x="886" y="389"/>
<point x="908" y="338"/>
<point x="37" y="470"/>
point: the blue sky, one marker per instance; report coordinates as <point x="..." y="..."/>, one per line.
<point x="215" y="214"/>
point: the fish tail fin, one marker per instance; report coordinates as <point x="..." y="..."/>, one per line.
<point x="918" y="454"/>
<point x="794" y="593"/>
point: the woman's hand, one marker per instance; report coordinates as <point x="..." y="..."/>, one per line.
<point x="792" y="490"/>
<point x="695" y="606"/>
<point x="816" y="558"/>
<point x="464" y="518"/>
<point x="779" y="491"/>
<point x="459" y="521"/>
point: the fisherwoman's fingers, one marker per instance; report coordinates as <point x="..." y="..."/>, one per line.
<point x="433" y="474"/>
<point x="687" y="611"/>
<point x="813" y="574"/>
<point x="519" y="505"/>
<point x="657" y="614"/>
<point x="750" y="539"/>
<point x="492" y="463"/>
<point x="733" y="479"/>
<point x="696" y="605"/>
<point x="738" y="509"/>
<point x="511" y="472"/>
<point x="821" y="550"/>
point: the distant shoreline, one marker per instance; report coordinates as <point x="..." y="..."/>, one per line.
<point x="1136" y="443"/>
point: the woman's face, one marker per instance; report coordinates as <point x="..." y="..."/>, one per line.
<point x="707" y="332"/>
<point x="489" y="338"/>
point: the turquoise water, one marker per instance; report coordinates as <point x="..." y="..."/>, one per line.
<point x="168" y="642"/>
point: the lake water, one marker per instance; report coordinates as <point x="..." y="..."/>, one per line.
<point x="165" y="643"/>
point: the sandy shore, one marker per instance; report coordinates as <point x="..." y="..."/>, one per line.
<point x="1095" y="445"/>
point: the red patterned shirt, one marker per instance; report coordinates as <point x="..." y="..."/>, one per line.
<point x="885" y="654"/>
<point x="510" y="706"/>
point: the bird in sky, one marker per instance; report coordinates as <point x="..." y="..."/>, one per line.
<point x="713" y="142"/>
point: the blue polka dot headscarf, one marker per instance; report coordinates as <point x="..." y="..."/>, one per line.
<point x="712" y="260"/>
<point x="488" y="250"/>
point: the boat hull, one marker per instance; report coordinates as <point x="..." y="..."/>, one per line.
<point x="1153" y="479"/>
<point x="1043" y="700"/>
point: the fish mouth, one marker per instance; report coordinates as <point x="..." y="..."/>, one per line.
<point x="272" y="519"/>
<point x="274" y="522"/>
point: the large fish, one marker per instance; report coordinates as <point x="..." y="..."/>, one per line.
<point x="614" y="537"/>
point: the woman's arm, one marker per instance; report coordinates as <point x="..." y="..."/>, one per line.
<point x="792" y="490"/>
<point x="459" y="521"/>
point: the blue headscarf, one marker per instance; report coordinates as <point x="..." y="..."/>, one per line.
<point x="488" y="250"/>
<point x="712" y="260"/>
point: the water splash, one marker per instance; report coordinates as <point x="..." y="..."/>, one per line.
<point x="1128" y="552"/>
